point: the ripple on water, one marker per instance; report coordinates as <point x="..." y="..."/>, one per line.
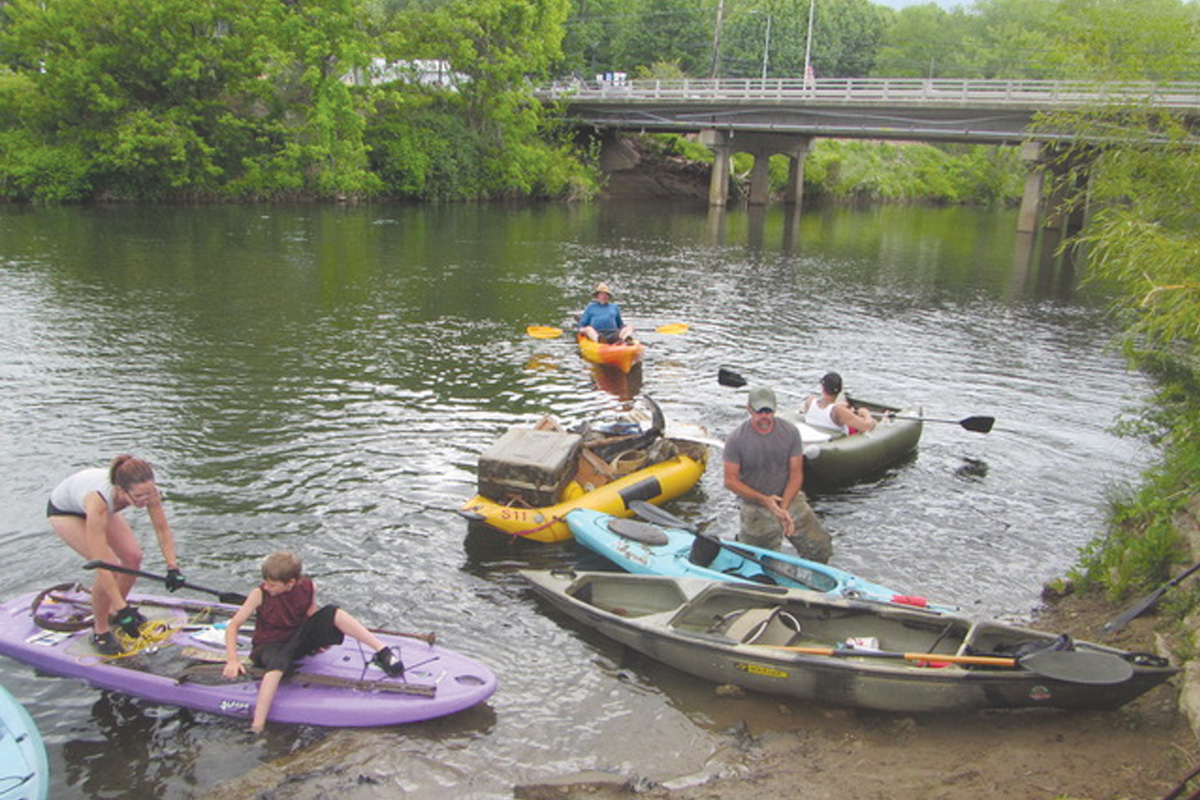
<point x="312" y="379"/>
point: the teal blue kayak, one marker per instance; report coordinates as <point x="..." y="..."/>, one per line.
<point x="24" y="772"/>
<point x="643" y="548"/>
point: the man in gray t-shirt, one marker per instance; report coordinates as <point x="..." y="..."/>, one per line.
<point x="764" y="466"/>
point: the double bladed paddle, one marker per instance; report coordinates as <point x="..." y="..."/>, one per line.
<point x="551" y="332"/>
<point x="727" y="377"/>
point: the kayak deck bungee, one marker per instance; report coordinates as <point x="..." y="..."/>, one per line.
<point x="621" y="355"/>
<point x="178" y="662"/>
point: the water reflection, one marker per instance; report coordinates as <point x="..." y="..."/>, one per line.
<point x="624" y="386"/>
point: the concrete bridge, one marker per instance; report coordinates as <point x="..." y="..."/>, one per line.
<point x="783" y="116"/>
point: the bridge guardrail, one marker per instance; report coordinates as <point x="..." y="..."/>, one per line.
<point x="1027" y="93"/>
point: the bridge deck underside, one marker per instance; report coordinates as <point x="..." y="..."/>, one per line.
<point x="983" y="125"/>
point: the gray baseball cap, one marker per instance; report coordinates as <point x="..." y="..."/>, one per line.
<point x="762" y="397"/>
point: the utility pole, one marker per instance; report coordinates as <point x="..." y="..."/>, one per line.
<point x="766" y="46"/>
<point x="808" y="73"/>
<point x="716" y="53"/>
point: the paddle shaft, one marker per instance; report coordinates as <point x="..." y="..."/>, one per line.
<point x="551" y="332"/>
<point x="227" y="598"/>
<point x="982" y="661"/>
<point x="976" y="424"/>
<point x="1144" y="605"/>
<point x="232" y="598"/>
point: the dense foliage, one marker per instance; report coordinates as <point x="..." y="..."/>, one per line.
<point x="173" y="99"/>
<point x="431" y="99"/>
<point x="1042" y="39"/>
<point x="856" y="170"/>
<point x="1143" y="244"/>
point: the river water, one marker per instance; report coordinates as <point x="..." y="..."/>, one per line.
<point x="323" y="379"/>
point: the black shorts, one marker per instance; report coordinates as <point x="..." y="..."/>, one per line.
<point x="51" y="511"/>
<point x="317" y="632"/>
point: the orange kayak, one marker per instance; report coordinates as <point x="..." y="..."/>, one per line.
<point x="622" y="356"/>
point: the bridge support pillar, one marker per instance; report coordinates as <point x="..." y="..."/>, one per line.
<point x="764" y="145"/>
<point x="793" y="194"/>
<point x="1068" y="178"/>
<point x="1035" y="181"/>
<point x="718" y="185"/>
<point x="761" y="146"/>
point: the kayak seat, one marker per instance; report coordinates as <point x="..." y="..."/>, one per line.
<point x="770" y="626"/>
<point x="638" y="531"/>
<point x="704" y="550"/>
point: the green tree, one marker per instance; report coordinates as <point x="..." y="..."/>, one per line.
<point x="845" y="39"/>
<point x="591" y="31"/>
<point x="133" y="90"/>
<point x="654" y="31"/>
<point x="170" y="98"/>
<point x="1156" y="40"/>
<point x="846" y="36"/>
<point x="497" y="47"/>
<point x="1045" y="39"/>
<point x="926" y="41"/>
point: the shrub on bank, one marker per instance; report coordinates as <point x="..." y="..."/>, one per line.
<point x="859" y="170"/>
<point x="913" y="172"/>
<point x="1143" y="539"/>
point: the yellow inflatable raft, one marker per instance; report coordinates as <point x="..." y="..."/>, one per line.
<point x="527" y="464"/>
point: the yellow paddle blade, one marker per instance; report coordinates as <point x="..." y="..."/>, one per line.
<point x="543" y="331"/>
<point x="673" y="327"/>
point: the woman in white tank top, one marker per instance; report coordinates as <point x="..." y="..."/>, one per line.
<point x="827" y="412"/>
<point x="85" y="511"/>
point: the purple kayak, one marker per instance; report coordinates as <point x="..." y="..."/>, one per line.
<point x="338" y="687"/>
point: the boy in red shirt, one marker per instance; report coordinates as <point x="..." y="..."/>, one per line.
<point x="288" y="627"/>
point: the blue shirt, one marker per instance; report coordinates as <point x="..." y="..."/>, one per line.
<point x="602" y="316"/>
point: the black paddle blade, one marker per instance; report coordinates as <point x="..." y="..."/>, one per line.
<point x="1144" y="605"/>
<point x="727" y="377"/>
<point x="231" y="598"/>
<point x="978" y="424"/>
<point x="1133" y="612"/>
<point x="1079" y="666"/>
